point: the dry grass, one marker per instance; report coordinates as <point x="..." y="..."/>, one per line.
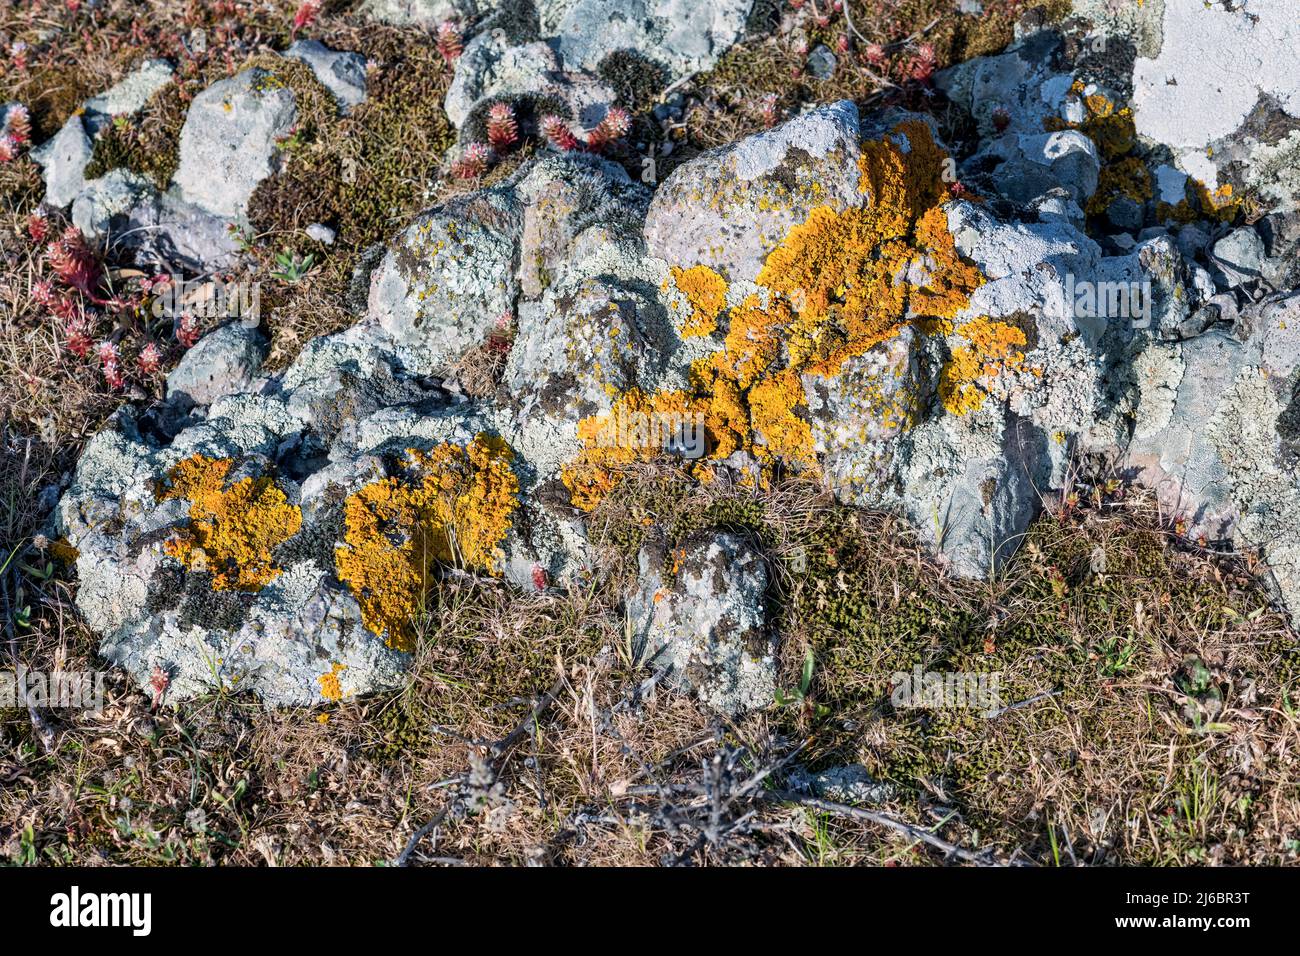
<point x="1126" y="762"/>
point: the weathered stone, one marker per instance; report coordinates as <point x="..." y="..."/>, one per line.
<point x="700" y="614"/>
<point x="223" y="362"/>
<point x="64" y="159"/>
<point x="229" y="141"/>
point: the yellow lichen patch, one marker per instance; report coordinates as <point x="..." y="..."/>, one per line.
<point x="233" y="530"/>
<point x="994" y="347"/>
<point x="330" y="686"/>
<point x="638" y="428"/>
<point x="453" y="505"/>
<point x="838" y="284"/>
<point x="706" y="291"/>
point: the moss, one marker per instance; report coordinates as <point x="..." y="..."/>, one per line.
<point x="362" y="173"/>
<point x="232" y="530"/>
<point x="148" y="144"/>
<point x="453" y="505"/>
<point x="635" y="79"/>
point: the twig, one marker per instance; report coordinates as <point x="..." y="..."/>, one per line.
<point x="882" y="819"/>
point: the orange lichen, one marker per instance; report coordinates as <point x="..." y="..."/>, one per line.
<point x="232" y="531"/>
<point x="706" y="291"/>
<point x="994" y="347"/>
<point x="453" y="505"/>
<point x="330" y="686"/>
<point x="839" y="284"/>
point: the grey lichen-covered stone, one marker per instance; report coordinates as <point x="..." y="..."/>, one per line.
<point x="1222" y="91"/>
<point x="850" y="784"/>
<point x="229" y="141"/>
<point x="64" y="159"/>
<point x="342" y="73"/>
<point x="450" y="278"/>
<point x="683" y="35"/>
<point x="700" y="614"/>
<point x="731" y="207"/>
<point x="423" y="12"/>
<point x="223" y="362"/>
<point x="1238" y="257"/>
<point x="492" y="67"/>
<point x="123" y="212"/>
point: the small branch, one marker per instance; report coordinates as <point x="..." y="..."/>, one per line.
<point x="882" y="819"/>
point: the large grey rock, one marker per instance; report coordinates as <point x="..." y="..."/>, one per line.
<point x="229" y="141"/>
<point x="1223" y="93"/>
<point x="223" y="362"/>
<point x="491" y="68"/>
<point x="123" y="212"/>
<point x="64" y="159"/>
<point x="343" y="74"/>
<point x="700" y="613"/>
<point x="684" y="36"/>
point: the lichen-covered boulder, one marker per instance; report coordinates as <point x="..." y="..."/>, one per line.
<point x="229" y="141"/>
<point x="1222" y="91"/>
<point x="493" y="67"/>
<point x="283" y="543"/>
<point x="699" y="612"/>
<point x="731" y="207"/>
<point x="684" y="36"/>
<point x="449" y="278"/>
<point x="1218" y="433"/>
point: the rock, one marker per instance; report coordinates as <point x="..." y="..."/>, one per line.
<point x="850" y="784"/>
<point x="229" y="141"/>
<point x="700" y="614"/>
<point x="343" y="74"/>
<point x="1019" y="87"/>
<point x="822" y="62"/>
<point x="686" y="37"/>
<point x="423" y="12"/>
<point x="64" y="159"/>
<point x="1238" y="257"/>
<point x="1039" y="163"/>
<point x="1189" y="96"/>
<point x="223" y="362"/>
<point x="730" y="207"/>
<point x="129" y="96"/>
<point x="449" y="278"/>
<point x="124" y="212"/>
<point x="493" y="68"/>
<point x="319" y="232"/>
<point x="1125" y="213"/>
